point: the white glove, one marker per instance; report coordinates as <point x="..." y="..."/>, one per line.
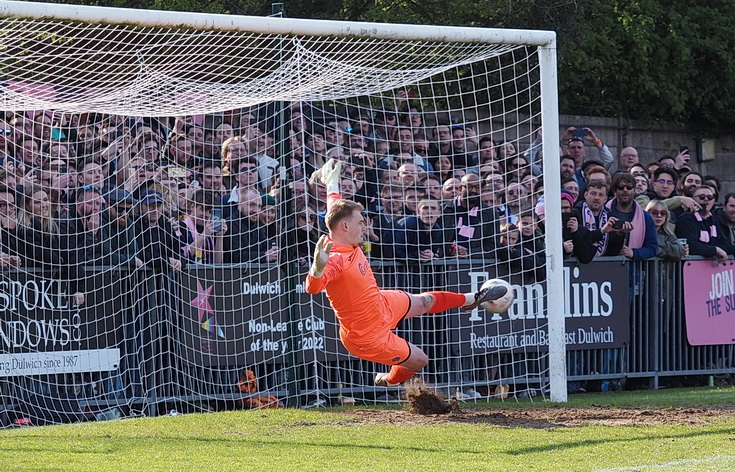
<point x="321" y="257"/>
<point x="330" y="174"/>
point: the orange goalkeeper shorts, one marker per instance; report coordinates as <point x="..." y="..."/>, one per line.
<point x="386" y="347"/>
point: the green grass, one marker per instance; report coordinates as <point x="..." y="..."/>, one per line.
<point x="328" y="440"/>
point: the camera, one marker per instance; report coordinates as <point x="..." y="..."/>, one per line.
<point x="618" y="224"/>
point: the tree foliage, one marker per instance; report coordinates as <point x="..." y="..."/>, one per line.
<point x="648" y="60"/>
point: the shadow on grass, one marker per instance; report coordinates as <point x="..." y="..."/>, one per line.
<point x="593" y="442"/>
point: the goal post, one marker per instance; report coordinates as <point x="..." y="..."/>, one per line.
<point x="207" y="114"/>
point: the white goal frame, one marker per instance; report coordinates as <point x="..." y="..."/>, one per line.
<point x="545" y="41"/>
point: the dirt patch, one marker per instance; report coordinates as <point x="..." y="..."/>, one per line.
<point x="545" y="418"/>
<point x="426" y="401"/>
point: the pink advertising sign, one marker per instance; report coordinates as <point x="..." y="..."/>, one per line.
<point x="709" y="302"/>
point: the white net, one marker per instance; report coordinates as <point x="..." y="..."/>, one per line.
<point x="160" y="201"/>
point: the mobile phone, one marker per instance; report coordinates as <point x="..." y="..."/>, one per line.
<point x="579" y="133"/>
<point x="176" y="172"/>
<point x="57" y="134"/>
<point x="618" y="224"/>
<point x="217" y="218"/>
<point x="684" y="149"/>
<point x="565" y="217"/>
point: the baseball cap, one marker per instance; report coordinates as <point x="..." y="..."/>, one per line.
<point x="151" y="196"/>
<point x="119" y="195"/>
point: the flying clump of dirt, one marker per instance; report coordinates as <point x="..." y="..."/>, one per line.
<point x="425" y="401"/>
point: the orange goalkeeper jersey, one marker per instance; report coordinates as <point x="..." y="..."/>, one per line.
<point x="352" y="291"/>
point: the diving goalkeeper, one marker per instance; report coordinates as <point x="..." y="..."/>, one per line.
<point x="367" y="315"/>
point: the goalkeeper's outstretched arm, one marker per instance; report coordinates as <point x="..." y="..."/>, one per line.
<point x="330" y="175"/>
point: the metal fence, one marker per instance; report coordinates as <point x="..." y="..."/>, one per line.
<point x="153" y="374"/>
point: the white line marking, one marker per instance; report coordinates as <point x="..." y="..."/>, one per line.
<point x="666" y="465"/>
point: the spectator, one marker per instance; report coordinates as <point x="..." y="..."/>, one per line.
<point x="689" y="182"/>
<point x="471" y="226"/>
<point x="120" y="228"/>
<point x="567" y="166"/>
<point x="570" y="224"/>
<point x="384" y="221"/>
<point x="212" y="179"/>
<point x="450" y="191"/>
<point x="247" y="240"/>
<point x="442" y="136"/>
<point x="84" y="240"/>
<point x="304" y="224"/>
<point x="420" y="237"/>
<point x="487" y="152"/>
<point x="268" y="219"/>
<point x="443" y="166"/>
<point x="669" y="247"/>
<point x="700" y="229"/>
<point x="267" y="165"/>
<point x="532" y="240"/>
<point x="663" y="186"/>
<point x="201" y="235"/>
<point x="411" y="197"/>
<point x="725" y="219"/>
<point x="640" y="240"/>
<point x="576" y="137"/>
<point x="598" y="233"/>
<point x="158" y="247"/>
<point x="667" y="162"/>
<point x="519" y="259"/>
<point x="8" y="228"/>
<point x="570" y="186"/>
<point x="714" y="182"/>
<point x="517" y="200"/>
<point x="681" y="161"/>
<point x="39" y="242"/>
<point x="628" y="158"/>
<point x="245" y="171"/>
<point x="180" y="151"/>
<point x="641" y="184"/>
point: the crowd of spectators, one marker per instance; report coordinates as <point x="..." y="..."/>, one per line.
<point x="93" y="189"/>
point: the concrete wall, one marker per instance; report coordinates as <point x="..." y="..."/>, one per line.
<point x="654" y="142"/>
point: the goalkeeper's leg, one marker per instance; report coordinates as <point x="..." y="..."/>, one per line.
<point x="399" y="373"/>
<point x="437" y="302"/>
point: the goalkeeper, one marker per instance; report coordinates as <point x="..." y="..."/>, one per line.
<point x="367" y="315"/>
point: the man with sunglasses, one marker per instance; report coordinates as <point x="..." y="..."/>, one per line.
<point x="637" y="226"/>
<point x="700" y="228"/>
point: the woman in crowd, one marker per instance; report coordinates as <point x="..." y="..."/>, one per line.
<point x="669" y="247"/>
<point x="201" y="234"/>
<point x="39" y="242"/>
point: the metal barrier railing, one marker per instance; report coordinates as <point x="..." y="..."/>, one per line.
<point x="153" y="370"/>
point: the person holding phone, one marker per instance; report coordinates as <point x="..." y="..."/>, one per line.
<point x="598" y="235"/>
<point x="202" y="232"/>
<point x="635" y="225"/>
<point x="576" y="147"/>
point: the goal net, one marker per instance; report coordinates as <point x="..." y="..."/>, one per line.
<point x="160" y="200"/>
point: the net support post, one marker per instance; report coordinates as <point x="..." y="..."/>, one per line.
<point x="555" y="309"/>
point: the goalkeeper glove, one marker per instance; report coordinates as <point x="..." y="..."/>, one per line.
<point x="330" y="174"/>
<point x="321" y="256"/>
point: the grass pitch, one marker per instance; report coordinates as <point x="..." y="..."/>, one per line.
<point x="687" y="429"/>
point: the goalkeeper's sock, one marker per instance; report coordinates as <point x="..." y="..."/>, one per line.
<point x="399" y="374"/>
<point x="444" y="301"/>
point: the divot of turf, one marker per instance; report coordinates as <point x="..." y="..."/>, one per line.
<point x="425" y="401"/>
